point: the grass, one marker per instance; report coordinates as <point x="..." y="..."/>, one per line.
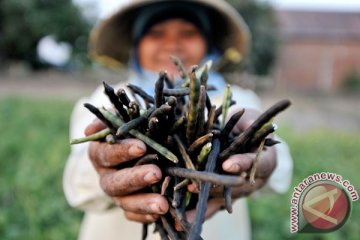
<point x="34" y="147"/>
<point x="33" y="150"/>
<point x="321" y="150"/>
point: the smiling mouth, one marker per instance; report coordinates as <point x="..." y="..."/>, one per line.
<point x="169" y="63"/>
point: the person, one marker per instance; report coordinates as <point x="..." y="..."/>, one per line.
<point x="142" y="35"/>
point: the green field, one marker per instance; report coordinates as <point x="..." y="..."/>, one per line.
<point x="34" y="146"/>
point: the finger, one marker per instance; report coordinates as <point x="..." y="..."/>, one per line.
<point x="238" y="163"/>
<point x="267" y="163"/>
<point x="129" y="180"/>
<point x="192" y="188"/>
<point x="249" y="116"/>
<point x="248" y="188"/>
<point x="141" y="218"/>
<point x="143" y="203"/>
<point x="94" y="127"/>
<point x="243" y="162"/>
<point x="109" y="155"/>
<point x="241" y="191"/>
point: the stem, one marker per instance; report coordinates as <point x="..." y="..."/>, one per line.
<point x="109" y="91"/>
<point x="192" y="114"/>
<point x="156" y="146"/>
<point x="256" y="162"/>
<point x="226" y="104"/>
<point x="214" y="178"/>
<point x="200" y="142"/>
<point x="96" y="136"/>
<point x="228" y="200"/>
<point x="201" y="205"/>
<point x="159" y="87"/>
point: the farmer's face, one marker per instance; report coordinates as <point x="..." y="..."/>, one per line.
<point x="171" y="37"/>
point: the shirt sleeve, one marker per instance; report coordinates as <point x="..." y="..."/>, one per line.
<point x="80" y="180"/>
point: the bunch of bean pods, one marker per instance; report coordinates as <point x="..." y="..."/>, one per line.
<point x="188" y="138"/>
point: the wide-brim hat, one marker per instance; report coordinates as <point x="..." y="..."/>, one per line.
<point x="111" y="38"/>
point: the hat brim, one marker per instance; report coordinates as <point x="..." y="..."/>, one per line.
<point x="112" y="37"/>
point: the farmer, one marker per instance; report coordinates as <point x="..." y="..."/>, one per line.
<point x="142" y="35"/>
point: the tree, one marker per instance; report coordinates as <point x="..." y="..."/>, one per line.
<point x="24" y="23"/>
<point x="261" y="19"/>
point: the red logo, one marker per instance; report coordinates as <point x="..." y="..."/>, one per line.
<point x="325" y="207"/>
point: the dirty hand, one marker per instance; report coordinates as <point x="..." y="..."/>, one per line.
<point x="237" y="164"/>
<point x="123" y="185"/>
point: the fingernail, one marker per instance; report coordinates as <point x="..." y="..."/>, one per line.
<point x="151" y="177"/>
<point x="136" y="150"/>
<point x="156" y="208"/>
<point x="192" y="188"/>
<point x="151" y="217"/>
<point x="231" y="167"/>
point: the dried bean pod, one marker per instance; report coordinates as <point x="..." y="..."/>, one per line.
<point x="125" y="128"/>
<point x="202" y="176"/>
<point x="204" y="76"/>
<point x="261" y="135"/>
<point x="205" y="150"/>
<point x="231" y="124"/>
<point x="141" y="93"/>
<point x="201" y="112"/>
<point x="161" y="112"/>
<point x="269" y="142"/>
<point x="211" y="118"/>
<point x="134" y="109"/>
<point x="123" y="97"/>
<point x="146" y="159"/>
<point x="109" y="91"/>
<point x="93" y="137"/>
<point x="228" y="199"/>
<point x="159" y="87"/>
<point x="200" y="142"/>
<point x="255" y="126"/>
<point x="193" y="100"/>
<point x="99" y="115"/>
<point x="180" y="122"/>
<point x="180" y="67"/>
<point x="204" y="193"/>
<point x="154" y="145"/>
<point x="226" y="104"/>
<point x="153" y="127"/>
<point x="219" y="110"/>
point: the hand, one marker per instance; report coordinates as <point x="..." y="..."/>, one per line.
<point x="122" y="185"/>
<point x="236" y="164"/>
<point x="239" y="163"/>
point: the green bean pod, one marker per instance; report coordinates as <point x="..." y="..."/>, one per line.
<point x="93" y="137"/>
<point x="226" y="105"/>
<point x="154" y="145"/>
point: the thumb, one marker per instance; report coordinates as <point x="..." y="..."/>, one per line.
<point x="94" y="127"/>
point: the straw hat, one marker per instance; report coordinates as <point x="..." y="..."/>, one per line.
<point x="111" y="39"/>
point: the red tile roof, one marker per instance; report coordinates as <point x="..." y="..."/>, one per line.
<point x="319" y="25"/>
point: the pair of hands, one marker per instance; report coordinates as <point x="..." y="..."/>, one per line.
<point x="123" y="185"/>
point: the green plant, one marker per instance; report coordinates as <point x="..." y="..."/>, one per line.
<point x="24" y="23"/>
<point x="33" y="151"/>
<point x="312" y="152"/>
<point x="352" y="81"/>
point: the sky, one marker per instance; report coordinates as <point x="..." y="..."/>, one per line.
<point x="342" y="5"/>
<point x="106" y="7"/>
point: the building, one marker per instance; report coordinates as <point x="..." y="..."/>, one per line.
<point x="319" y="49"/>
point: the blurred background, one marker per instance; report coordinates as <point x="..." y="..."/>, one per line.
<point x="308" y="51"/>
